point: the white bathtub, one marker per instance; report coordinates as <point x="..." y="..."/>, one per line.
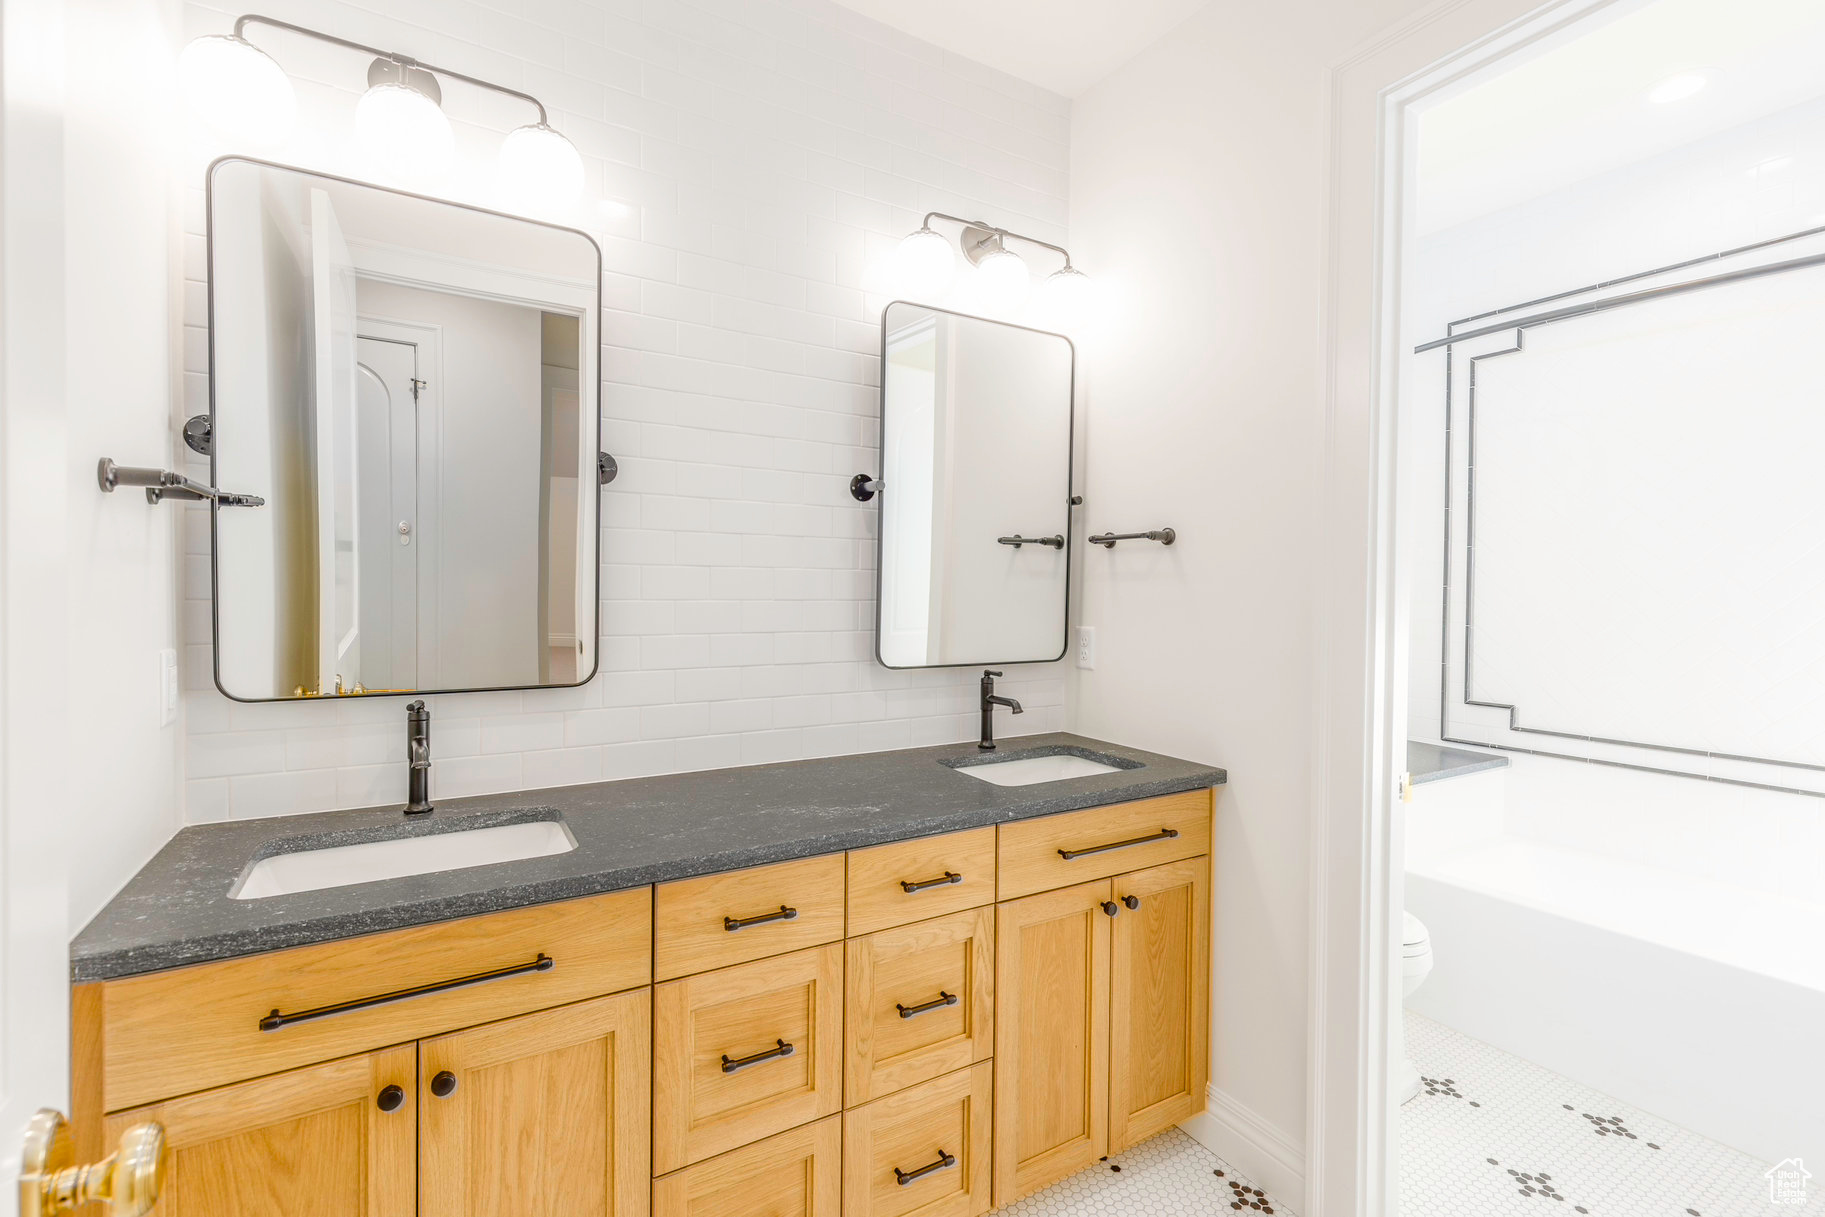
<point x="1698" y="1001"/>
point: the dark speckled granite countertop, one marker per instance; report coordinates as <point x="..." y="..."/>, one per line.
<point x="177" y="910"/>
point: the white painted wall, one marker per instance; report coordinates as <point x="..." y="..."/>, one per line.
<point x="1197" y="196"/>
<point x="749" y="163"/>
<point x="122" y="797"/>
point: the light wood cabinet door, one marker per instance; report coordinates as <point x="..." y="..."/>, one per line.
<point x="548" y="1117"/>
<point x="1051" y="1037"/>
<point x="1159" y="1005"/>
<point x="921" y="1003"/>
<point x="795" y="1174"/>
<point x="314" y="1142"/>
<point x="923" y="1152"/>
<point x="746" y="1052"/>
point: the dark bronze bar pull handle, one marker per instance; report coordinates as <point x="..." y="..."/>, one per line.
<point x="730" y="1064"/>
<point x="937" y="1003"/>
<point x="1165" y="834"/>
<point x="945" y="1162"/>
<point x="1165" y="536"/>
<point x="785" y="913"/>
<point x="276" y="1020"/>
<point x="909" y="886"/>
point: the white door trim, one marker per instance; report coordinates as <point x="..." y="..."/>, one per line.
<point x="1359" y="725"/>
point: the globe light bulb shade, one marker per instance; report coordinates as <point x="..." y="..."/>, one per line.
<point x="237" y="89"/>
<point x="1067" y="294"/>
<point x="924" y="264"/>
<point x="1003" y="280"/>
<point x="402" y="133"/>
<point x="540" y="168"/>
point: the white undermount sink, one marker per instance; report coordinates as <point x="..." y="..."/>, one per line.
<point x="310" y="870"/>
<point x="1034" y="769"/>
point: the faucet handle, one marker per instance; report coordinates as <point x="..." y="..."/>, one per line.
<point x="987" y="672"/>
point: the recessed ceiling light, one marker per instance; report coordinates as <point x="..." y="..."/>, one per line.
<point x="1678" y="88"/>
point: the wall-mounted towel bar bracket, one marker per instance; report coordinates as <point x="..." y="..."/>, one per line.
<point x="863" y="487"/>
<point x="162" y="484"/>
<point x="1165" y="536"/>
<point x="1055" y="542"/>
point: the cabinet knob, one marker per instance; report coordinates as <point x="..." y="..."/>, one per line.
<point x="443" y="1084"/>
<point x="390" y="1098"/>
<point x="1110" y="907"/>
<point x="1133" y="902"/>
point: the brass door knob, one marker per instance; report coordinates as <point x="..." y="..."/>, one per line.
<point x="127" y="1180"/>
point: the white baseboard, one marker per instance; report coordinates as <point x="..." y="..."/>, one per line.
<point x="1257" y="1148"/>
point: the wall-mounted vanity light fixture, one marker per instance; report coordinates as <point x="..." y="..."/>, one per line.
<point x="926" y="263"/>
<point x="400" y="124"/>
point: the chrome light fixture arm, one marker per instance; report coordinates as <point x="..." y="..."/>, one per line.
<point x="974" y="249"/>
<point x="246" y="19"/>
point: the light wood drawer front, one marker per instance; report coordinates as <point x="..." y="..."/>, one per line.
<point x="923" y="1152"/>
<point x="171" y="1033"/>
<point x="794" y="1174"/>
<point x="746" y="1052"/>
<point x="699" y="923"/>
<point x="920" y="1003"/>
<point x="1102" y="841"/>
<point x="945" y="874"/>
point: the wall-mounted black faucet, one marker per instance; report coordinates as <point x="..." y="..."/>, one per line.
<point x="989" y="702"/>
<point x="418" y="756"/>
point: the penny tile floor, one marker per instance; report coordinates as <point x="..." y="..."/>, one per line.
<point x="1168" y="1176"/>
<point x="1492" y="1135"/>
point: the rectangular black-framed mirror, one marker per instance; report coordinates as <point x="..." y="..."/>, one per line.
<point x="412" y="386"/>
<point x="973" y="556"/>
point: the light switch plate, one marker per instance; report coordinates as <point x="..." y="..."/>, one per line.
<point x="167" y="687"/>
<point x="1086" y="646"/>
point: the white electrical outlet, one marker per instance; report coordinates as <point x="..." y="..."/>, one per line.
<point x="1086" y="646"/>
<point x="167" y="687"/>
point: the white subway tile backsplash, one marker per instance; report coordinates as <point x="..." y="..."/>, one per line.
<point x="748" y="161"/>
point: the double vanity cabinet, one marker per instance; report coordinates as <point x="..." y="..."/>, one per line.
<point x="933" y="1026"/>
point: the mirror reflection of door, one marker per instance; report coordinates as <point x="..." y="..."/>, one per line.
<point x="909" y="452"/>
<point x="337" y="636"/>
<point x="387" y="439"/>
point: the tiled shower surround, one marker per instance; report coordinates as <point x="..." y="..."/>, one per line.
<point x="751" y="162"/>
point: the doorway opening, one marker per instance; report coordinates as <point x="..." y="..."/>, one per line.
<point x="1612" y="865"/>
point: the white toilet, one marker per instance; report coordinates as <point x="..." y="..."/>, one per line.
<point x="1415" y="964"/>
